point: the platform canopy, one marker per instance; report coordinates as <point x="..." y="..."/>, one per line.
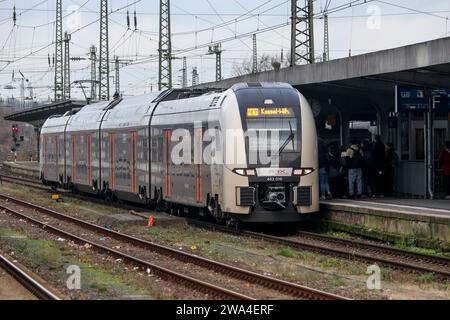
<point x="37" y="116"/>
<point x="364" y="79"/>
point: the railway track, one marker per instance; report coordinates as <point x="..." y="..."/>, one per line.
<point x="33" y="286"/>
<point x="344" y="248"/>
<point x="284" y="288"/>
<point x="349" y="249"/>
<point x="24" y="182"/>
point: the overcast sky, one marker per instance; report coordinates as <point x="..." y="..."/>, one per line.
<point x="363" y="27"/>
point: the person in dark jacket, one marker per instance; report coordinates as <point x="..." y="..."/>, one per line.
<point x="444" y="160"/>
<point x="354" y="163"/>
<point x="368" y="168"/>
<point x="379" y="157"/>
<point x="335" y="178"/>
<point x="324" y="168"/>
<point x="344" y="171"/>
<point x="389" y="171"/>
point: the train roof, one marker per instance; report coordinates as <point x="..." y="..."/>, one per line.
<point x="88" y="118"/>
<point x="55" y="124"/>
<point x="131" y="112"/>
<point x="136" y="110"/>
<point x="202" y="102"/>
<point x="260" y="85"/>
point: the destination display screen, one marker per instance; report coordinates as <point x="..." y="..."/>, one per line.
<point x="254" y="112"/>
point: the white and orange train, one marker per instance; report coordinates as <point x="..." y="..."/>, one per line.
<point x="124" y="150"/>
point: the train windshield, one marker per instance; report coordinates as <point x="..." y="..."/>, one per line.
<point x="279" y="134"/>
<point x="270" y="132"/>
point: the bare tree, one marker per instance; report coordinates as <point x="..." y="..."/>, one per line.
<point x="265" y="63"/>
<point x="245" y="67"/>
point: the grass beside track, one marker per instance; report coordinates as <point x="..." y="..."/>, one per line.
<point x="290" y="264"/>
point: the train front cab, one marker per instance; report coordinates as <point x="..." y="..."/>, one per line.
<point x="53" y="152"/>
<point x="283" y="193"/>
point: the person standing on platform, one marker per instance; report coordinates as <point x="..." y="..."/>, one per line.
<point x="389" y="171"/>
<point x="369" y="168"/>
<point x="344" y="171"/>
<point x="354" y="163"/>
<point x="444" y="160"/>
<point x="379" y="157"/>
<point x="335" y="177"/>
<point x="324" y="169"/>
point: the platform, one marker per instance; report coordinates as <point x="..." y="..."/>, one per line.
<point x="28" y="169"/>
<point x="425" y="222"/>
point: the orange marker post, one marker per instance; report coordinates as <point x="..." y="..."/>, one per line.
<point x="151" y="221"/>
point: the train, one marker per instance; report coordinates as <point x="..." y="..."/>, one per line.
<point x="243" y="154"/>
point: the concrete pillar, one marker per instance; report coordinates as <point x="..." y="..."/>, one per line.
<point x="344" y="121"/>
<point x="383" y="123"/>
<point x="345" y="128"/>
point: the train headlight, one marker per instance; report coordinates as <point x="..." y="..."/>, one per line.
<point x="245" y="172"/>
<point x="250" y="172"/>
<point x="303" y="171"/>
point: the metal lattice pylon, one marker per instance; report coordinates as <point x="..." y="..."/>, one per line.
<point x="58" y="52"/>
<point x="195" y="79"/>
<point x="184" y="83"/>
<point x="117" y="78"/>
<point x="93" y="58"/>
<point x="326" y="41"/>
<point x="302" y="32"/>
<point x="103" y="61"/>
<point x="217" y="50"/>
<point x="165" y="46"/>
<point x="255" y="55"/>
<point x="66" y="82"/>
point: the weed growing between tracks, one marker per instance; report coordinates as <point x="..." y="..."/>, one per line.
<point x="101" y="277"/>
<point x="403" y="243"/>
<point x="316" y="270"/>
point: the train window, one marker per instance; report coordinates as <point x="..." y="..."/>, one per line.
<point x="266" y="128"/>
<point x="224" y="98"/>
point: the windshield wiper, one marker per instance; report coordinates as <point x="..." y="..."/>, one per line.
<point x="288" y="139"/>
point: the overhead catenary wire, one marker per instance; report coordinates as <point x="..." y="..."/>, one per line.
<point x="127" y="45"/>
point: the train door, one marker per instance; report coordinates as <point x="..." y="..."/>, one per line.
<point x="51" y="158"/>
<point x="89" y="159"/>
<point x="45" y="156"/>
<point x="81" y="159"/>
<point x="73" y="146"/>
<point x="198" y="162"/>
<point x="56" y="157"/>
<point x="166" y="163"/>
<point x="111" y="137"/>
<point x="61" y="158"/>
<point x="123" y="161"/>
<point x="133" y="161"/>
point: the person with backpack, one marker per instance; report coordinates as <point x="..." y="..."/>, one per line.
<point x="354" y="163"/>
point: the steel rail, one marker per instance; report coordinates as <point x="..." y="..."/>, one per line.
<point x="161" y="272"/>
<point x="347" y="250"/>
<point x="293" y="289"/>
<point x="32" y="285"/>
<point x="343" y="253"/>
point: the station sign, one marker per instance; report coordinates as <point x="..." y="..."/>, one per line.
<point x="263" y="112"/>
<point x="417" y="99"/>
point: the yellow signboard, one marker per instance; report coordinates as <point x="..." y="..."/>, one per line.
<point x="252" y="112"/>
<point x="256" y="112"/>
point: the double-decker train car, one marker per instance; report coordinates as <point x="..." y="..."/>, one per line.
<point x="248" y="153"/>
